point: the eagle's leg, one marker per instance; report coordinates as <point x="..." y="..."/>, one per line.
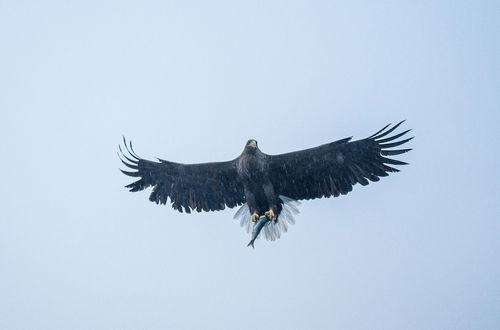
<point x="271" y="200"/>
<point x="251" y="202"/>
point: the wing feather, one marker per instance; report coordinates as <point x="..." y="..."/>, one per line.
<point x="334" y="168"/>
<point x="200" y="187"/>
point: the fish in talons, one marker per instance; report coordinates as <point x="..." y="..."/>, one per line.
<point x="257" y="228"/>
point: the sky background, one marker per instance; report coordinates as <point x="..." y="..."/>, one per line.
<point x="192" y="81"/>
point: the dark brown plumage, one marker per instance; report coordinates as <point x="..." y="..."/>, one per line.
<point x="259" y="179"/>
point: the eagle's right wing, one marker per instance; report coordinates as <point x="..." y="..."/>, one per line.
<point x="332" y="169"/>
<point x="200" y="187"/>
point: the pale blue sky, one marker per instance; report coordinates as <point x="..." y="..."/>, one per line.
<point x="192" y="81"/>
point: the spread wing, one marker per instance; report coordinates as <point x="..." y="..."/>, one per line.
<point x="332" y="169"/>
<point x="200" y="187"/>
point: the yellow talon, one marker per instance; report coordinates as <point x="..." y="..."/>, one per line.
<point x="270" y="214"/>
<point x="255" y="217"/>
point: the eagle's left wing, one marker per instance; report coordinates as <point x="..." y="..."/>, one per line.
<point x="200" y="187"/>
<point x="332" y="169"/>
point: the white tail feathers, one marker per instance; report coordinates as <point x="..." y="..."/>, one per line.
<point x="272" y="230"/>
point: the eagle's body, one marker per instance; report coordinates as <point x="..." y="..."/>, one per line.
<point x="264" y="183"/>
<point x="254" y="174"/>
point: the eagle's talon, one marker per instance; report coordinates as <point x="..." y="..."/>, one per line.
<point x="255" y="217"/>
<point x="270" y="214"/>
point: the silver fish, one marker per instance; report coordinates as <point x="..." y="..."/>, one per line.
<point x="257" y="227"/>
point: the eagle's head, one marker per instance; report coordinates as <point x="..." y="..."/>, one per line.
<point x="251" y="145"/>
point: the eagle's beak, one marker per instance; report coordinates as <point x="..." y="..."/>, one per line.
<point x="253" y="144"/>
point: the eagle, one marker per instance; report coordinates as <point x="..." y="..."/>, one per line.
<point x="264" y="185"/>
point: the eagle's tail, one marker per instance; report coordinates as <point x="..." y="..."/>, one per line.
<point x="273" y="229"/>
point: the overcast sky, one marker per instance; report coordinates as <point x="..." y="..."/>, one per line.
<point x="192" y="81"/>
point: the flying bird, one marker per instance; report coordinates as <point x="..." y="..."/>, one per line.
<point x="267" y="185"/>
